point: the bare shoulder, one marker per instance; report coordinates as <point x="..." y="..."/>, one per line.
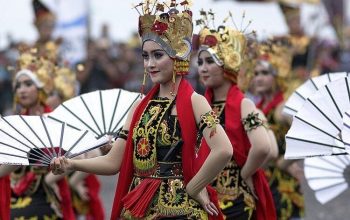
<point x="199" y="101"/>
<point x="247" y="106"/>
<point x="200" y="105"/>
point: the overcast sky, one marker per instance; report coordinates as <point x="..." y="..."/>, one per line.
<point x="16" y="17"/>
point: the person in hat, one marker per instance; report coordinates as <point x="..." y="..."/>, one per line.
<point x="271" y="73"/>
<point x="44" y="22"/>
<point x="34" y="191"/>
<point x="243" y="191"/>
<point x="155" y="151"/>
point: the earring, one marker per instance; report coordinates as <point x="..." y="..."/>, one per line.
<point x="143" y="81"/>
<point x="181" y="67"/>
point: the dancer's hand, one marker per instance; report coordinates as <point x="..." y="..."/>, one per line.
<point x="203" y="198"/>
<point x="61" y="165"/>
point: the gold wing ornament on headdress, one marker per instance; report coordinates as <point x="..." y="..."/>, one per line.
<point x="226" y="45"/>
<point x="277" y="51"/>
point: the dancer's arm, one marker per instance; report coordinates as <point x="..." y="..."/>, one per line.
<point x="220" y="146"/>
<point x="108" y="164"/>
<point x="7" y="169"/>
<point x="258" y="137"/>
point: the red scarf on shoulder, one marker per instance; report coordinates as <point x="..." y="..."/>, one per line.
<point x="5" y="191"/>
<point x="188" y="133"/>
<point x="265" y="208"/>
<point x="277" y="99"/>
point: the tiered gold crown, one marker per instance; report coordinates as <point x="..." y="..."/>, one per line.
<point x="225" y="44"/>
<point x="38" y="68"/>
<point x="172" y="30"/>
<point x="277" y="52"/>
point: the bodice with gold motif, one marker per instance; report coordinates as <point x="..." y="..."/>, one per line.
<point x="157" y="154"/>
<point x="28" y="189"/>
<point x="233" y="192"/>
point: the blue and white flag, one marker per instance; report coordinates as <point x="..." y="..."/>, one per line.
<point x="72" y="27"/>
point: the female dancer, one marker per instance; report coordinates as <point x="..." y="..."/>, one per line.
<point x="283" y="176"/>
<point x="242" y="188"/>
<point x="155" y="153"/>
<point x="85" y="187"/>
<point x="34" y="192"/>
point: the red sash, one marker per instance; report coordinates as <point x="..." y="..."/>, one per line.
<point x="265" y="209"/>
<point x="188" y="133"/>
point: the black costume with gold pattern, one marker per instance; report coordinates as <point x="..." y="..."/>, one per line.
<point x="157" y="154"/>
<point x="37" y="199"/>
<point x="235" y="198"/>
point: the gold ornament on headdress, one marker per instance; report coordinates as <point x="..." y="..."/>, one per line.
<point x="225" y="44"/>
<point x="172" y="30"/>
<point x="65" y="82"/>
<point x="41" y="67"/>
<point x="278" y="53"/>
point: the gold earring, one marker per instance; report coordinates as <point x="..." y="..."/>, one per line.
<point x="143" y="81"/>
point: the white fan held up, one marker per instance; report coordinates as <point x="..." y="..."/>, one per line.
<point x="102" y="112"/>
<point x="35" y="140"/>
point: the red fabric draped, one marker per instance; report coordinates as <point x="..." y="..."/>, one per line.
<point x="138" y="199"/>
<point x="188" y="133"/>
<point x="5" y="198"/>
<point x="95" y="204"/>
<point x="277" y="99"/>
<point x="66" y="203"/>
<point x="23" y="184"/>
<point x="265" y="209"/>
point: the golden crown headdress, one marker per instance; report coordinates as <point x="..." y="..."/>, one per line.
<point x="172" y="30"/>
<point x="38" y="68"/>
<point x="226" y="45"/>
<point x="277" y="51"/>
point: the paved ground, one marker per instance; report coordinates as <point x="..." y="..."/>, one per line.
<point x="338" y="209"/>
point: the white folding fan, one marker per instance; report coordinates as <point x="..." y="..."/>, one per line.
<point x="101" y="112"/>
<point x="300" y="95"/>
<point x="316" y="127"/>
<point x="35" y="140"/>
<point x="329" y="176"/>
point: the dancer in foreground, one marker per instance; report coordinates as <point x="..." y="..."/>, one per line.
<point x="243" y="191"/>
<point x="155" y="151"/>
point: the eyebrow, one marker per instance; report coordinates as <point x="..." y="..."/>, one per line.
<point x="25" y="81"/>
<point x="156" y="50"/>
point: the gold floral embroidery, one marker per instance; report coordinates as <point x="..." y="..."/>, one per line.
<point x="211" y="120"/>
<point x="145" y="136"/>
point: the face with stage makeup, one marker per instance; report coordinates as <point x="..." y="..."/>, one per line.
<point x="264" y="78"/>
<point x="210" y="73"/>
<point x="157" y="63"/>
<point x="27" y="94"/>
